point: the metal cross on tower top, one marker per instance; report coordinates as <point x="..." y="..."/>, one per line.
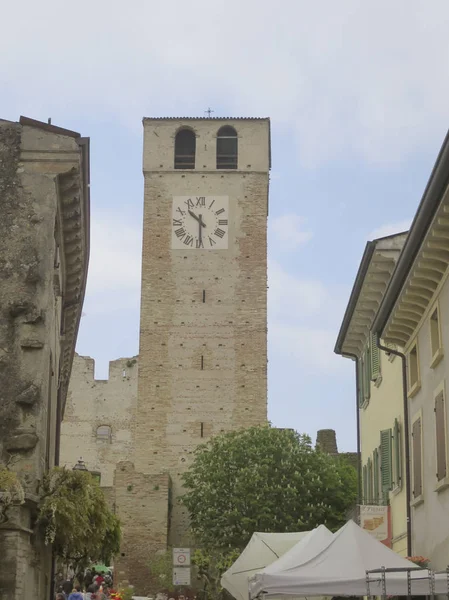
<point x="209" y="111"/>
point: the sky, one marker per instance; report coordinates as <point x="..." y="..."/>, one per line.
<point x="358" y="96"/>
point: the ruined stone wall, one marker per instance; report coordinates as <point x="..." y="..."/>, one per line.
<point x="142" y="505"/>
<point x="95" y="407"/>
<point x="31" y="319"/>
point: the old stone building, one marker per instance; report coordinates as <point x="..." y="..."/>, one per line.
<point x="44" y="248"/>
<point x="202" y="365"/>
<point x="99" y="415"/>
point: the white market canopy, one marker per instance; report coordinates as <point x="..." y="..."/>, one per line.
<point x="262" y="550"/>
<point x="339" y="569"/>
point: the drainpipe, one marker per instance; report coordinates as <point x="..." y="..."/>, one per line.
<point x="406" y="440"/>
<point x="357" y="412"/>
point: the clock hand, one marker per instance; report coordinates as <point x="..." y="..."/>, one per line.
<point x="200" y="235"/>
<point x="200" y="221"/>
<point x="192" y="214"/>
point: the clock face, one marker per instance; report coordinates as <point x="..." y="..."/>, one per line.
<point x="200" y="222"/>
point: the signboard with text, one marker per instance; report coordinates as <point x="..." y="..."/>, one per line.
<point x="181" y="576"/>
<point x="374" y="520"/>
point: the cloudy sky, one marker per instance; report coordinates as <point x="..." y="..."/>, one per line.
<point x="358" y="94"/>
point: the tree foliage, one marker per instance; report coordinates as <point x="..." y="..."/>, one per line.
<point x="264" y="479"/>
<point x="211" y="565"/>
<point x="74" y="517"/>
<point x="11" y="491"/>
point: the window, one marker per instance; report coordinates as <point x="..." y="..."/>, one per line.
<point x="375" y="358"/>
<point x="369" y="474"/>
<point x="413" y="370"/>
<point x="385" y="460"/>
<point x="365" y="484"/>
<point x="417" y="456"/>
<point x="185" y="146"/>
<point x="397" y="455"/>
<point x="104" y="433"/>
<point x="227" y="148"/>
<point x="361" y="387"/>
<point x="435" y="337"/>
<point x="440" y="436"/>
<point x="367" y="374"/>
<point x="376" y="472"/>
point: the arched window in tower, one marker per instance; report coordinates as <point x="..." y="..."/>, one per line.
<point x="227" y="148"/>
<point x="104" y="434"/>
<point x="185" y="145"/>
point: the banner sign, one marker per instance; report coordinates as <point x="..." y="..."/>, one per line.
<point x="374" y="520"/>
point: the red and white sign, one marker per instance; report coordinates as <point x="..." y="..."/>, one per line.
<point x="181" y="557"/>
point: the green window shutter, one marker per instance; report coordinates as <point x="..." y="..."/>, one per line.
<point x="385" y="459"/>
<point x="397" y="475"/>
<point x="369" y="474"/>
<point x="375" y="358"/>
<point x="365" y="485"/>
<point x="376" y="475"/>
<point x="360" y="390"/>
<point x="367" y="374"/>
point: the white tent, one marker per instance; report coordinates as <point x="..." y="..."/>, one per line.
<point x="339" y="569"/>
<point x="261" y="550"/>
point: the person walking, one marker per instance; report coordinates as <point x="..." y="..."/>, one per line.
<point x="76" y="594"/>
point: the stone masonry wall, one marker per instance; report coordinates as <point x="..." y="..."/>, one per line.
<point x="142" y="504"/>
<point x="30" y="344"/>
<point x="180" y="403"/>
<point x="94" y="403"/>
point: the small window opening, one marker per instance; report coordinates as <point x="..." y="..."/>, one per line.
<point x="202" y="430"/>
<point x="104" y="433"/>
<point x="185" y="145"/>
<point x="227" y="148"/>
<point x="202" y="362"/>
<point x="204" y="295"/>
<point x="413" y="368"/>
<point x="435" y="337"/>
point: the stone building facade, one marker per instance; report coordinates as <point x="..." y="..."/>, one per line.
<point x="99" y="415"/>
<point x="202" y="366"/>
<point x="44" y="248"/>
<point x="203" y="320"/>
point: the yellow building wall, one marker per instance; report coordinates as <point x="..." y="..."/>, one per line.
<point x="379" y="412"/>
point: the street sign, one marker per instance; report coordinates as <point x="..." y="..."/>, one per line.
<point x="181" y="575"/>
<point x="181" y="557"/>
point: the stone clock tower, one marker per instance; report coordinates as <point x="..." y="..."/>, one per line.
<point x="203" y="325"/>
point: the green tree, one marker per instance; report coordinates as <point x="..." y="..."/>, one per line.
<point x="75" y="519"/>
<point x="264" y="479"/>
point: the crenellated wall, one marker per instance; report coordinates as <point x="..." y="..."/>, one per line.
<point x="93" y="404"/>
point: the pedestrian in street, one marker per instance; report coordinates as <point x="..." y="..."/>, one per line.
<point x="76" y="594"/>
<point x="60" y="596"/>
<point x="90" y="593"/>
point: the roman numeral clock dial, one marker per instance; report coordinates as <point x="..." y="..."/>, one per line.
<point x="200" y="222"/>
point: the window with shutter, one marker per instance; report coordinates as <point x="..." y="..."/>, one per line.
<point x="440" y="432"/>
<point x="369" y="474"/>
<point x="360" y="391"/>
<point x="367" y="374"/>
<point x="413" y="370"/>
<point x="365" y="484"/>
<point x="397" y="444"/>
<point x="375" y="358"/>
<point x="417" y="457"/>
<point x="376" y="475"/>
<point x="385" y="460"/>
